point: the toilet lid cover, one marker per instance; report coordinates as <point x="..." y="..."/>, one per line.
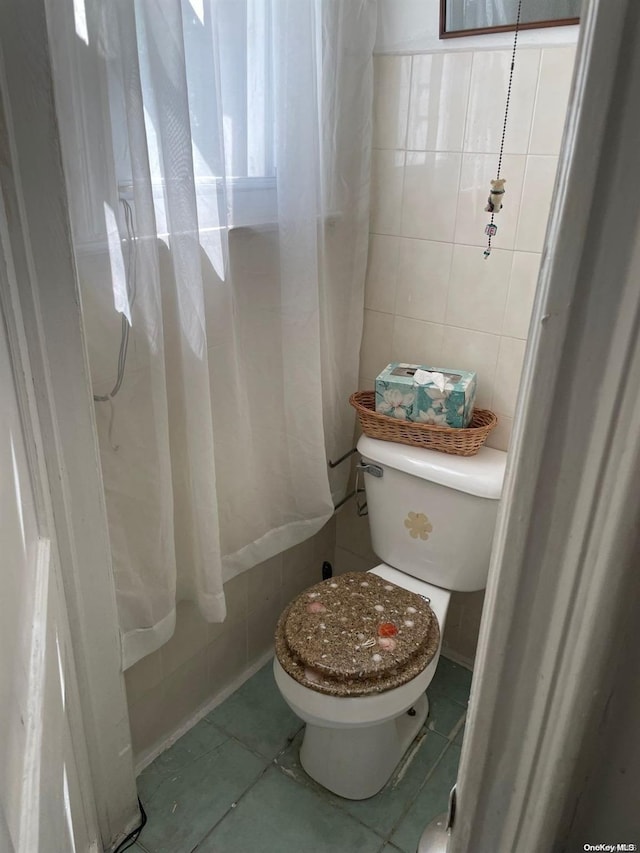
<point x="360" y="626"/>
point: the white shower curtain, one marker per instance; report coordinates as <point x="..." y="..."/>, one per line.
<point x="230" y="187"/>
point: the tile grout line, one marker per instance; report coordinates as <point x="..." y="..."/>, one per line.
<point x="536" y="99"/>
<point x="386" y="837"/>
<point x="338" y="806"/>
<point x="230" y="737"/>
<point x="414" y="798"/>
<point x="322" y="796"/>
<point x="165" y="775"/>
<point x="463" y="151"/>
<point x="449" y="742"/>
<point x="458" y="728"/>
<point x="409" y="102"/>
<point x="465" y="48"/>
<point x="231" y="808"/>
<point x="273" y="762"/>
<point x="251" y="749"/>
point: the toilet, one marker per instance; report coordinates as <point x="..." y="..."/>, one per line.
<point x="355" y="654"/>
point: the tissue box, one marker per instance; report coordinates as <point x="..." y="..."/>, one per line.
<point x="445" y="399"/>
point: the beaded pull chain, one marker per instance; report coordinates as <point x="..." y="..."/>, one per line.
<point x="497" y="191"/>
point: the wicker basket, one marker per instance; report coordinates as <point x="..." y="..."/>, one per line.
<point x="461" y="442"/>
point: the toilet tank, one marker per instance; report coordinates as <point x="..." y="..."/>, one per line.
<point x="432" y="515"/>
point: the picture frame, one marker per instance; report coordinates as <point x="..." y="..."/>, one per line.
<point x="453" y="24"/>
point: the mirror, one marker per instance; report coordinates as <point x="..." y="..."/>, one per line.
<point x="473" y="17"/>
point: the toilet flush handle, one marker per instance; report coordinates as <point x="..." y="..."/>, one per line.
<point x="365" y="468"/>
<point x="370" y="468"/>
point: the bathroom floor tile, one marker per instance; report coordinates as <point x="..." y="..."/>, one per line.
<point x="148" y="782"/>
<point x="213" y="791"/>
<point x="444" y="713"/>
<point x="188" y="803"/>
<point x="257" y="715"/>
<point x="431" y="801"/>
<point x="451" y="680"/>
<point x="199" y="740"/>
<point x="280" y="816"/>
<point x="383" y="810"/>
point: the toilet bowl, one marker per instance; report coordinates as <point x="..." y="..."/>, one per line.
<point x="352" y="744"/>
<point x="432" y="518"/>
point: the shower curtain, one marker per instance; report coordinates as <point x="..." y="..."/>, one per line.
<point x="217" y="157"/>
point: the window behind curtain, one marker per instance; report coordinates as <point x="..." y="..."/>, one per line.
<point x="228" y="48"/>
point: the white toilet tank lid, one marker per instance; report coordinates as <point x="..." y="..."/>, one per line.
<point x="480" y="475"/>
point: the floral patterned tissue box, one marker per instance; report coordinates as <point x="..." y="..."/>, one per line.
<point x="427" y="395"/>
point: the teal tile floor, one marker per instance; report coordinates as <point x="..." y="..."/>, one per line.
<point x="234" y="784"/>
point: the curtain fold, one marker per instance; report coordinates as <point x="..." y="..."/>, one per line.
<point x="237" y="154"/>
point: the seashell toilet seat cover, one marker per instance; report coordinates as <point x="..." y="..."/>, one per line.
<point x="356" y="634"/>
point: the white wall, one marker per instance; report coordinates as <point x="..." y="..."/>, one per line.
<point x="41" y="735"/>
<point x="412" y="26"/>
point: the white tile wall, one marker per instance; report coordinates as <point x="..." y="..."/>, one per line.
<point x="508" y="370"/>
<point x="437" y="114"/>
<point x="479" y="350"/>
<point x="536" y="200"/>
<point x="415" y="341"/>
<point x="387" y="179"/>
<point x="522" y="289"/>
<point x="487" y="96"/>
<point x="382" y="273"/>
<point x="429" y="195"/>
<point x="376" y="341"/>
<point x="554" y="83"/>
<point x="478" y="289"/>
<point x="430" y="295"/>
<point x="471" y="218"/>
<point x="391" y="101"/>
<point x="422" y="265"/>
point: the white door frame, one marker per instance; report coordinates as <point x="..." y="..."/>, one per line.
<point x="48" y="300"/>
<point x="562" y="577"/>
<point x="47" y="790"/>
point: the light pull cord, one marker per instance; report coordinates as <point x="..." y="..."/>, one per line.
<point x="497" y="186"/>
